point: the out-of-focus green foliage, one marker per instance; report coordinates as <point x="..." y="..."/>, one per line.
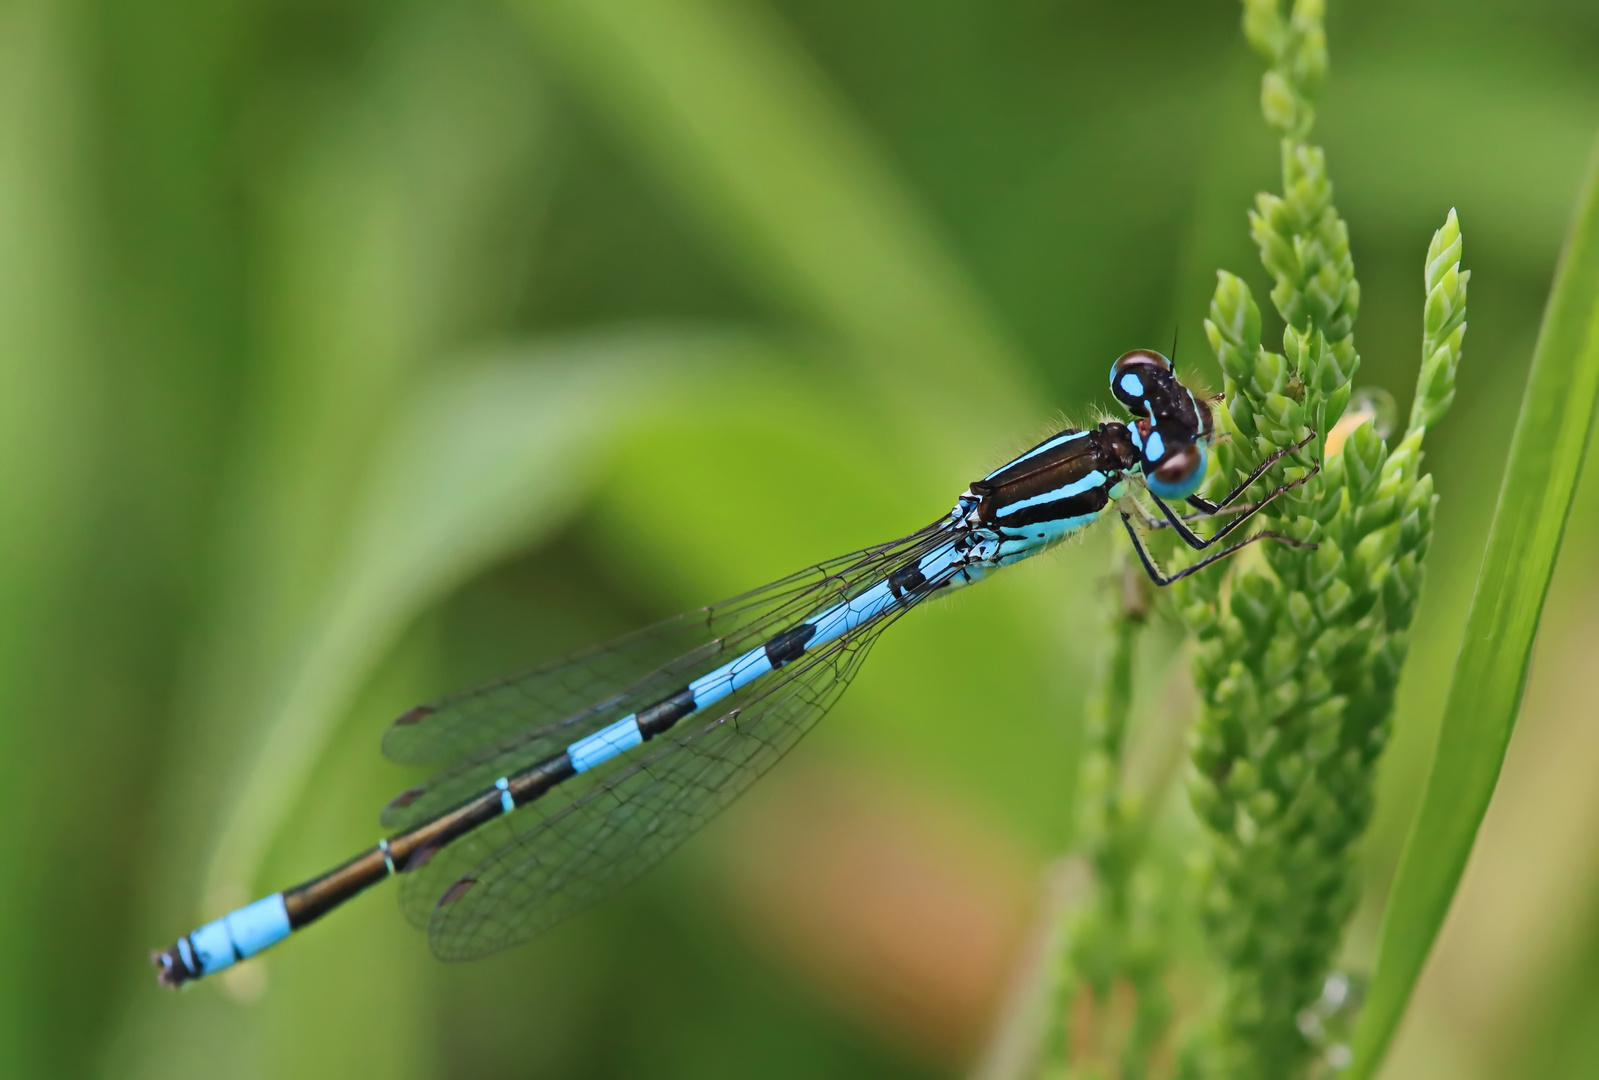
<point x="256" y="254"/>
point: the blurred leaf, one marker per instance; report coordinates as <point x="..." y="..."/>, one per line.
<point x="383" y="232"/>
<point x="721" y="103"/>
<point x="389" y="240"/>
<point x="384" y="238"/>
<point x="1491" y="672"/>
<point x="481" y="462"/>
<point x="50" y="426"/>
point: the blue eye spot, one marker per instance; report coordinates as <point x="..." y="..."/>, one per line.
<point x="1154" y="447"/>
<point x="1132" y="385"/>
<point x="1138" y="440"/>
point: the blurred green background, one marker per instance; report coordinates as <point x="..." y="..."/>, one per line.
<point x="357" y="349"/>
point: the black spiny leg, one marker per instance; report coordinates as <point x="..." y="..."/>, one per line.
<point x="1198" y="543"/>
<point x="1208" y="507"/>
<point x="1159" y="578"/>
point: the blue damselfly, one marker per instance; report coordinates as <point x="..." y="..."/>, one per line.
<point x="564" y="783"/>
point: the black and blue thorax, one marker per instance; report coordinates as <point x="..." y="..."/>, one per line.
<point x="1066" y="482"/>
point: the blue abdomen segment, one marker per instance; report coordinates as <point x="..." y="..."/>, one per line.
<point x="840" y="619"/>
<point x="829" y="625"/>
<point x="605" y="744"/>
<point x="713" y="686"/>
<point x="734" y="675"/>
<point x="237" y="935"/>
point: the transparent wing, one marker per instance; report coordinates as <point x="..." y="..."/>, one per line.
<point x="561" y="692"/>
<point x="499" y="728"/>
<point x="522" y="873"/>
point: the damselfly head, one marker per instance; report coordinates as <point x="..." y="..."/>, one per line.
<point x="1144" y="382"/>
<point x="1171" y="423"/>
<point x="1140" y="379"/>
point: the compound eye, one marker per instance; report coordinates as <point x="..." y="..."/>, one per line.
<point x="1180" y="474"/>
<point x="1135" y="375"/>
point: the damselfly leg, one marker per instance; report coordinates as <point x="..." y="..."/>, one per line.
<point x="1163" y="579"/>
<point x="1209" y="509"/>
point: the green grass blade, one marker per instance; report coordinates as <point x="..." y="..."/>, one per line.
<point x="1485" y="693"/>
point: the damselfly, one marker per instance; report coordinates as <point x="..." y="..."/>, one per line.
<point x="566" y="782"/>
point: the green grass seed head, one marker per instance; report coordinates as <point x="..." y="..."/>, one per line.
<point x="1300" y="653"/>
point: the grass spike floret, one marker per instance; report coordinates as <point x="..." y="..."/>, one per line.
<point x="1299" y="655"/>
